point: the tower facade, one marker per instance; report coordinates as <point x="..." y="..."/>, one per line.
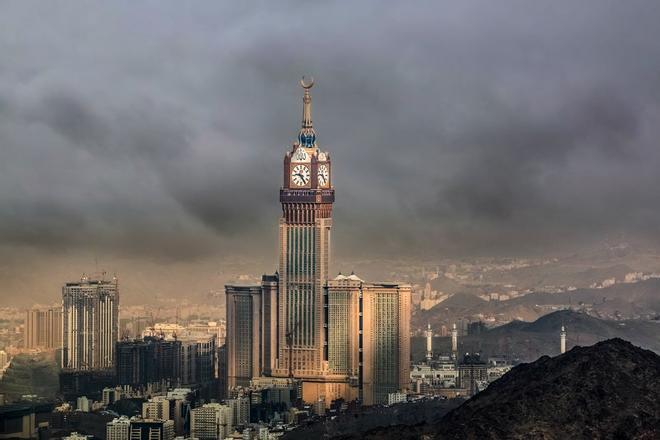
<point x="43" y="328"/>
<point x="243" y="342"/>
<point x="454" y="341"/>
<point x="368" y="335"/>
<point x="562" y="340"/>
<point x="306" y="196"/>
<point x="90" y="324"/>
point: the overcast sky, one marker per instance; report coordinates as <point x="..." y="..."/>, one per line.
<point x="155" y="130"/>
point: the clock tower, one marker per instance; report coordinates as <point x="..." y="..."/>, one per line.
<point x="306" y="196"/>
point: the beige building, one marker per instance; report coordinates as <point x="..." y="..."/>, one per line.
<point x="43" y="328"/>
<point x="156" y="408"/>
<point x="368" y="336"/>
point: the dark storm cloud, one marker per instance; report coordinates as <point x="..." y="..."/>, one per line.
<point x="159" y="129"/>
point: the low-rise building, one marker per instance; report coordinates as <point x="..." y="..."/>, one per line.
<point x="118" y="429"/>
<point x="211" y="421"/>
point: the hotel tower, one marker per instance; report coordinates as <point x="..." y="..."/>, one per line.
<point x="287" y="327"/>
<point x="304" y="243"/>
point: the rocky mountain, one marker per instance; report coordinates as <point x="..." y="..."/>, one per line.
<point x="606" y="391"/>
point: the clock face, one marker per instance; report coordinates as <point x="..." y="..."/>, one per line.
<point x="324" y="175"/>
<point x="300" y="175"/>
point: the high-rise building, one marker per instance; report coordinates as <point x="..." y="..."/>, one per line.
<point x="291" y="326"/>
<point x="43" y="328"/>
<point x="368" y="336"/>
<point x="240" y="410"/>
<point x="269" y="322"/>
<point x="152" y="430"/>
<point x="385" y="340"/>
<point x="211" y="421"/>
<point x="198" y="357"/>
<point x="90" y="316"/>
<point x="306" y="196"/>
<point x="243" y="334"/>
<point x="118" y="429"/>
<point x="149" y="361"/>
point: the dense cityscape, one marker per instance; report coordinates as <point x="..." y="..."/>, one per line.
<point x="296" y="348"/>
<point x="457" y="238"/>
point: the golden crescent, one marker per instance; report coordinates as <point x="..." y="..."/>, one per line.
<point x="307" y="86"/>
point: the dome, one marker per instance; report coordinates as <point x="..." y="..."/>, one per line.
<point x="307" y="137"/>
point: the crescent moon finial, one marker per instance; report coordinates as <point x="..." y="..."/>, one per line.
<point x="308" y="85"/>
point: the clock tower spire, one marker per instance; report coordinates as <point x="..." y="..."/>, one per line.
<point x="306" y="196"/>
<point x="307" y="135"/>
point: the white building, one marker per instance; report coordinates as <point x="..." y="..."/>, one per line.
<point x="495" y="372"/>
<point x="393" y="398"/>
<point x="211" y="421"/>
<point x="179" y="393"/>
<point x="77" y="436"/>
<point x="82" y="404"/>
<point x="442" y="374"/>
<point x="118" y="429"/>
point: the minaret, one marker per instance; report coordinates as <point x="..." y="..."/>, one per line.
<point x="562" y="340"/>
<point x="429" y="342"/>
<point x="454" y="341"/>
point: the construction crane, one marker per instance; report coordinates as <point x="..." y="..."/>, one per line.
<point x="289" y="343"/>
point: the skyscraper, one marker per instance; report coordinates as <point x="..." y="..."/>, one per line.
<point x="43" y="328"/>
<point x="306" y="196"/>
<point x="243" y="334"/>
<point x="385" y="340"/>
<point x="298" y="325"/>
<point x="90" y="316"/>
<point x="368" y="336"/>
<point x="140" y="363"/>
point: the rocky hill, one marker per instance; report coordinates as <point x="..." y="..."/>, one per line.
<point x="606" y="391"/>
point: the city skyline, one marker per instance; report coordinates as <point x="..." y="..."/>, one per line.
<point x="482" y="136"/>
<point x="302" y="220"/>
